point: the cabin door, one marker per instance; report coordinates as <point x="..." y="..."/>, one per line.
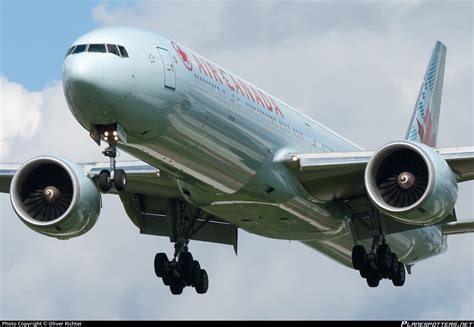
<point x="170" y="70"/>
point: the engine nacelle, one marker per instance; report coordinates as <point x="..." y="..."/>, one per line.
<point x="412" y="183"/>
<point x="55" y="197"/>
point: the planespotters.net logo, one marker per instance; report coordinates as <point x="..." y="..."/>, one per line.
<point x="183" y="55"/>
<point x="437" y="324"/>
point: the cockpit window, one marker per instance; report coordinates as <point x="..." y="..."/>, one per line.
<point x="70" y="50"/>
<point x="96" y="48"/>
<point x="123" y="52"/>
<point x="117" y="50"/>
<point x="112" y="48"/>
<point x="80" y="48"/>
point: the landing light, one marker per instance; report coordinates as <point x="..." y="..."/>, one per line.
<point x="115" y="138"/>
<point x="106" y="133"/>
<point x="294" y="158"/>
<point x="115" y="133"/>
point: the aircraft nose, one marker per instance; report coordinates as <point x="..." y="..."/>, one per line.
<point x="83" y="85"/>
<point x="81" y="73"/>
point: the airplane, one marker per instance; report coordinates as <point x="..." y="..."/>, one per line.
<point x="216" y="154"/>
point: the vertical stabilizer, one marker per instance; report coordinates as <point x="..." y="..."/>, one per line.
<point x="425" y="119"/>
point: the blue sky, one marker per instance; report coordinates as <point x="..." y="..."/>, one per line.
<point x="35" y="36"/>
<point x="359" y="60"/>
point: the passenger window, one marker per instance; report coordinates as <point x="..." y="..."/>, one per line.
<point x="80" y="48"/>
<point x="123" y="52"/>
<point x="112" y="48"/>
<point x="96" y="48"/>
<point x="70" y="50"/>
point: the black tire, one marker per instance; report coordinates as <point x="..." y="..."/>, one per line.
<point x="372" y="281"/>
<point x="176" y="287"/>
<point x="364" y="273"/>
<point x="161" y="264"/>
<point x="393" y="267"/>
<point x="399" y="279"/>
<point x="195" y="273"/>
<point x="202" y="283"/>
<point x="120" y="180"/>
<point x="167" y="278"/>
<point x="185" y="263"/>
<point x="359" y="260"/>
<point x="104" y="181"/>
<point x="384" y="258"/>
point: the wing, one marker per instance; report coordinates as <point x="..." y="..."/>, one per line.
<point x="147" y="200"/>
<point x="7" y="171"/>
<point x="337" y="175"/>
<point x="461" y="161"/>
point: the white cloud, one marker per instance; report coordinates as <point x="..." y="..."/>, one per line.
<point x="185" y="19"/>
<point x="19" y="113"/>
<point x="367" y="73"/>
<point x="40" y="123"/>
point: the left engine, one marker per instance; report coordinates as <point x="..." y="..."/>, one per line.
<point x="55" y="197"/>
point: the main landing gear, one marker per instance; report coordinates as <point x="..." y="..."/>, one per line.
<point x="112" y="176"/>
<point x="380" y="262"/>
<point x="182" y="270"/>
<point x="177" y="274"/>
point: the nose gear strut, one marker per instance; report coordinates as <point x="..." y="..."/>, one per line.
<point x="113" y="175"/>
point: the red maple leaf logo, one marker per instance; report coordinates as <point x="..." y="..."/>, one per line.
<point x="183" y="55"/>
<point x="425" y="130"/>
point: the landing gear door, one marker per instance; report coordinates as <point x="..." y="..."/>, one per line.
<point x="170" y="69"/>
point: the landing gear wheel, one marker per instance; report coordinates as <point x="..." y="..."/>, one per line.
<point x="372" y="281"/>
<point x="399" y="279"/>
<point x="364" y="272"/>
<point x="120" y="179"/>
<point x="393" y="267"/>
<point x="358" y="257"/>
<point x="167" y="278"/>
<point x="202" y="282"/>
<point x="161" y="264"/>
<point x="104" y="181"/>
<point x="176" y="287"/>
<point x="195" y="273"/>
<point x="384" y="258"/>
<point x="185" y="263"/>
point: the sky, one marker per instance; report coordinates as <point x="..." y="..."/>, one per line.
<point x="355" y="66"/>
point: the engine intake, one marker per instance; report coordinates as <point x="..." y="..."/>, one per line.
<point x="55" y="197"/>
<point x="402" y="178"/>
<point x="47" y="192"/>
<point x="411" y="182"/>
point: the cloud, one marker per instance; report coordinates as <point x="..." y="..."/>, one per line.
<point x="181" y="16"/>
<point x="358" y="74"/>
<point x="19" y="113"/>
<point x="40" y="123"/>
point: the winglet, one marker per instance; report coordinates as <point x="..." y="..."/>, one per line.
<point x="425" y="119"/>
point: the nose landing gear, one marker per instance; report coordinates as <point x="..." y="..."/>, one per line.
<point x="112" y="176"/>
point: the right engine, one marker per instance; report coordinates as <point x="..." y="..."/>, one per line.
<point x="55" y="197"/>
<point x="412" y="183"/>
